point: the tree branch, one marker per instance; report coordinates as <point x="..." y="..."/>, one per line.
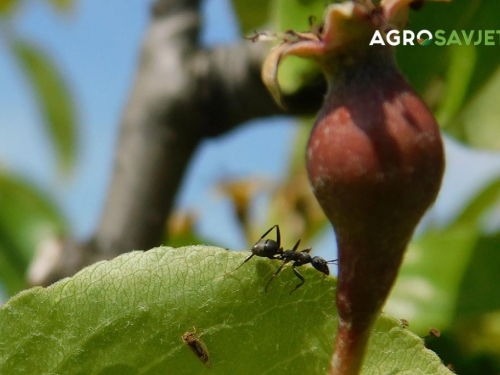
<point x="182" y="94"/>
<point x="234" y="90"/>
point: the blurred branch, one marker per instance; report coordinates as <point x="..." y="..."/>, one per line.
<point x="181" y="95"/>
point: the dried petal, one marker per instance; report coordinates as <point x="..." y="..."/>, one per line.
<point x="303" y="48"/>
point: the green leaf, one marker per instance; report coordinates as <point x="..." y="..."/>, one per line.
<point x="481" y="16"/>
<point x="479" y="289"/>
<point x="127" y="316"/>
<point x="478" y="123"/>
<point x="427" y="288"/>
<point x="252" y="13"/>
<point x="27" y="216"/>
<point x="54" y="100"/>
<point x="11" y="271"/>
<point x="295" y="14"/>
<point x="479" y="205"/>
<point x="62" y="5"/>
<point x="477" y="308"/>
<point x="477" y="316"/>
<point x="295" y="73"/>
<point x="7" y="7"/>
<point x="460" y="71"/>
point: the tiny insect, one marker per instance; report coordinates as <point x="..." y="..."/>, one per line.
<point x="198" y="347"/>
<point x="299" y="259"/>
<point x="433" y="332"/>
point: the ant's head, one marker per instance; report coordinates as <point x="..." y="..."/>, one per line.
<point x="321" y="265"/>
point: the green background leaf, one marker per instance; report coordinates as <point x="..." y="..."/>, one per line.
<point x="54" y="100"/>
<point x="7" y="6"/>
<point x="427" y="288"/>
<point x="479" y="289"/>
<point x="27" y="216"/>
<point x="458" y="76"/>
<point x="252" y="13"/>
<point x="477" y="124"/>
<point x="62" y="5"/>
<point x="437" y="279"/>
<point x="127" y="316"/>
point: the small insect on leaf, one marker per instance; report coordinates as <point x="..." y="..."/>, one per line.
<point x="197" y="346"/>
<point x="435" y="332"/>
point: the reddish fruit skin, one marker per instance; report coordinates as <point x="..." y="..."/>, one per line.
<point x="375" y="161"/>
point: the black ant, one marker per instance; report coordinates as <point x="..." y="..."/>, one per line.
<point x="299" y="259"/>
<point x="267" y="248"/>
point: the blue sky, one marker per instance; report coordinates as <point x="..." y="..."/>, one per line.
<point x="96" y="47"/>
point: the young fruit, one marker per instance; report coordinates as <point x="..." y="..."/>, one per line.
<point x="374" y="158"/>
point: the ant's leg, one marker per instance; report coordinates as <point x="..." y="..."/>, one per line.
<point x="273" y="276"/>
<point x="278" y="241"/>
<point x="278" y="235"/>
<point x="246" y="260"/>
<point x="296" y="246"/>
<point x="297" y="273"/>
<point x="308" y="250"/>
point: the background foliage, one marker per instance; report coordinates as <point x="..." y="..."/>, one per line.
<point x="29" y="215"/>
